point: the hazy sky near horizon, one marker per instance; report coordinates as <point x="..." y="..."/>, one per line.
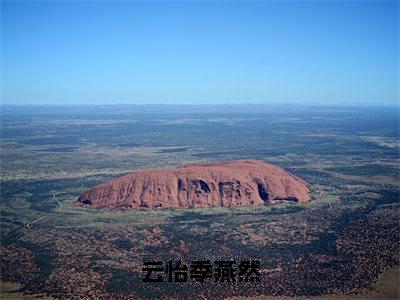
<point x="89" y="52"/>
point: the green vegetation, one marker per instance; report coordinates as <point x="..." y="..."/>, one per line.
<point x="338" y="243"/>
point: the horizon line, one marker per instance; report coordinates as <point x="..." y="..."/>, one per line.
<point x="211" y="104"/>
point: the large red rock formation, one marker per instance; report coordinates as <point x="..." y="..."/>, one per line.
<point x="242" y="182"/>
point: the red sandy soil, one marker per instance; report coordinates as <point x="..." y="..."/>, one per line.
<point x="231" y="183"/>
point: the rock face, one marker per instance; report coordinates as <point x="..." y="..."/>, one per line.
<point x="232" y="183"/>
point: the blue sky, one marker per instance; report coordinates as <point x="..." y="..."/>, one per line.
<point x="317" y="52"/>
